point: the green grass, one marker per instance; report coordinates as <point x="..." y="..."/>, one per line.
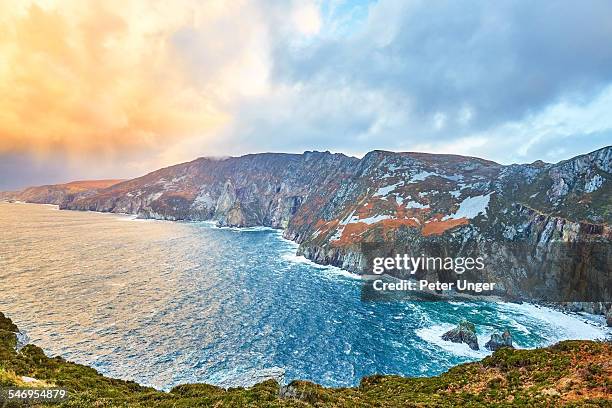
<point x="572" y="373"/>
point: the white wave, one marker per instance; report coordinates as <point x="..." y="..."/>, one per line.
<point x="127" y="217"/>
<point x="553" y="326"/>
<point x="256" y="229"/>
<point x="243" y="229"/>
<point x="292" y="257"/>
<point x="561" y="325"/>
<point x="334" y="270"/>
<point x="433" y="335"/>
<point x="136" y="219"/>
<point x="519" y="326"/>
<point x="456" y="303"/>
<point x="208" y="223"/>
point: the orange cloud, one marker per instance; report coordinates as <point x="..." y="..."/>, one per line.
<point x="82" y="77"/>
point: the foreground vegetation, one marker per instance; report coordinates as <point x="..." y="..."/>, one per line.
<point x="571" y="373"/>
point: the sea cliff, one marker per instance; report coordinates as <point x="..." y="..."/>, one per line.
<point x="545" y="229"/>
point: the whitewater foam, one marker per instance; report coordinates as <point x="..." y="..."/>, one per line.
<point x="433" y="335"/>
<point x="290" y="255"/>
<point x="553" y="326"/>
<point x="565" y="325"/>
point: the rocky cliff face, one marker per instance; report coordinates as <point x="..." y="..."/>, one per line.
<point x="259" y="189"/>
<point x="543" y="228"/>
<point x="58" y="193"/>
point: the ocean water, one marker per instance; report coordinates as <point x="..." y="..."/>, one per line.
<point x="164" y="303"/>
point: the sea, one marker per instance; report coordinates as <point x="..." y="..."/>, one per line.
<point x="165" y="303"/>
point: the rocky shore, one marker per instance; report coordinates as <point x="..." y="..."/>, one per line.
<point x="569" y="374"/>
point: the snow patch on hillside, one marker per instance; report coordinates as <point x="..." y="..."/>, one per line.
<point x="374" y="219"/>
<point x="471" y="207"/>
<point x="383" y="191"/>
<point x="422" y="175"/>
<point x="414" y="204"/>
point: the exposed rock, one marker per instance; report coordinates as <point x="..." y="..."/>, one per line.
<point x="33" y="382"/>
<point x="290" y="391"/>
<point x="22" y="340"/>
<point x="498" y="341"/>
<point x="295" y="390"/>
<point x="253" y="190"/>
<point x="465" y="332"/>
<point x="58" y="193"/>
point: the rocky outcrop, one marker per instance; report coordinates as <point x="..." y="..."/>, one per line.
<point x="11" y="335"/>
<point x="22" y="340"/>
<point x="465" y="332"/>
<point x="498" y="341"/>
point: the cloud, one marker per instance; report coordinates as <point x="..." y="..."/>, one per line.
<point x="135" y="85"/>
<point x="434" y="75"/>
<point x="307" y="19"/>
<point x="501" y="60"/>
<point x="99" y="77"/>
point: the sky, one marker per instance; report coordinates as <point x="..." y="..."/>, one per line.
<point x="115" y="89"/>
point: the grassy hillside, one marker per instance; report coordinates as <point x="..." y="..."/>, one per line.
<point x="571" y="373"/>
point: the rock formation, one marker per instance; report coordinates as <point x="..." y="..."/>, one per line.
<point x="498" y="341"/>
<point x="465" y="332"/>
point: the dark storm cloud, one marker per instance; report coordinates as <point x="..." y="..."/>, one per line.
<point x="502" y="60"/>
<point x="18" y="171"/>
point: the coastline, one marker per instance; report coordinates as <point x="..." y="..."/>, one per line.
<point x="539" y="377"/>
<point x="572" y="309"/>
